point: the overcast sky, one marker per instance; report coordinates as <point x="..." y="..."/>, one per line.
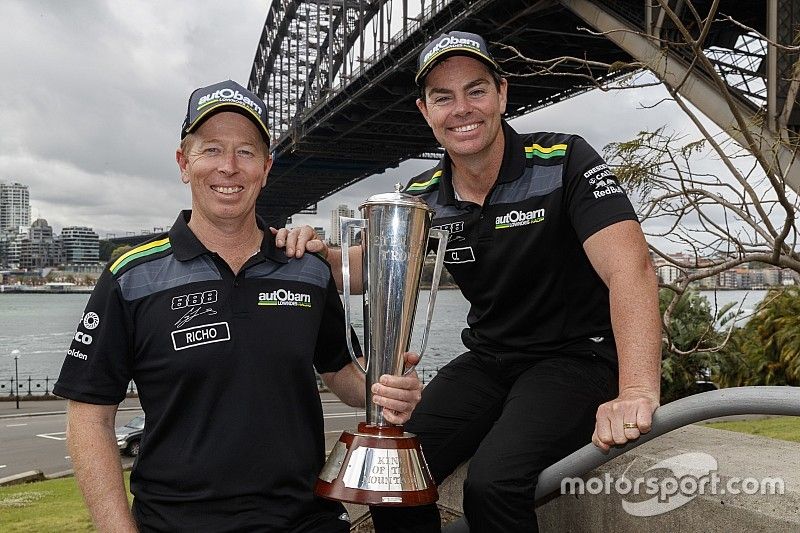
<point x="94" y="93"/>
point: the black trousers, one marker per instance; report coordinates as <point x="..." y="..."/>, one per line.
<point x="513" y="419"/>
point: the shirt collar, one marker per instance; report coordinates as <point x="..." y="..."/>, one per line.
<point x="511" y="168"/>
<point x="186" y="245"/>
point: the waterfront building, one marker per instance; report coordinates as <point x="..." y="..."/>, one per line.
<point x="79" y="246"/>
<point x="39" y="249"/>
<point x="320" y="231"/>
<point x="5" y="243"/>
<point x="12" y="246"/>
<point x="668" y="273"/>
<point x="341" y="211"/>
<point x="15" y="207"/>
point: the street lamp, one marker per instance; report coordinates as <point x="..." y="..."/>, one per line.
<point x="15" y="353"/>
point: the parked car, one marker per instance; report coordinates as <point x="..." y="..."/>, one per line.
<point x="130" y="435"/>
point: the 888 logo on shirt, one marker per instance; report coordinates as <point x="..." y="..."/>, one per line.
<point x="195" y="298"/>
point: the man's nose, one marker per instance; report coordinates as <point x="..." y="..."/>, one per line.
<point x="462" y="105"/>
<point x="227" y="162"/>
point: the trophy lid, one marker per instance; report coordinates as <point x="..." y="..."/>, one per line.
<point x="396" y="198"/>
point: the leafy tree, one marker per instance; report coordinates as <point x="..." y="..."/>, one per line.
<point x="766" y="351"/>
<point x="693" y="345"/>
<point x="118" y="251"/>
<point x="106" y="249"/>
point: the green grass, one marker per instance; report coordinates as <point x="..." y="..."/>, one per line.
<point x="782" y="427"/>
<point x="55" y="505"/>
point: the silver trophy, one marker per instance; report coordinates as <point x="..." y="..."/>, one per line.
<point x="381" y="464"/>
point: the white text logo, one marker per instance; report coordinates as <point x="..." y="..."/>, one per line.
<point x="690" y="475"/>
<point x="84" y="338"/>
<point x="518" y="218"/>
<point x="603" y="180"/>
<point x="284" y="297"/>
<point x="196" y="298"/>
<point x="447" y="42"/>
<point x="77" y="353"/>
<point x="199" y="335"/>
<point x="228" y="94"/>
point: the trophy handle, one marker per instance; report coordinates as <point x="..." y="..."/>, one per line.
<point x="345" y="224"/>
<point x="441" y="235"/>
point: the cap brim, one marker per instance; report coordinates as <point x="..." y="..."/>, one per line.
<point x="243" y="109"/>
<point x="454" y="51"/>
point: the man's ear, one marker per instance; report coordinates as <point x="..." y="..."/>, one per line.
<point x="503" y="94"/>
<point x="423" y="108"/>
<point x="267" y="166"/>
<point x="183" y="164"/>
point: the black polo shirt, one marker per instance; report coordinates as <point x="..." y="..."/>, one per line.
<point x="519" y="258"/>
<point x="224" y="366"/>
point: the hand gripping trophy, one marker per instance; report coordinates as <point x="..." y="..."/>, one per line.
<point x="381" y="464"/>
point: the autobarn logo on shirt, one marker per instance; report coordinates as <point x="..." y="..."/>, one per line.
<point x="515" y="218"/>
<point x="603" y="180"/>
<point x="283" y="297"/>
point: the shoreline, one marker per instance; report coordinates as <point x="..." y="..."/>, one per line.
<point x="13" y="289"/>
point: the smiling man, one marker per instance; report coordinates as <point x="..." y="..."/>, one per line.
<point x="564" y="331"/>
<point x="198" y="318"/>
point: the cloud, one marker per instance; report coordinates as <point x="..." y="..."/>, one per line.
<point x="94" y="93"/>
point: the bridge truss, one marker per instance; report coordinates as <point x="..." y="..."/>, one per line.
<point x="337" y="75"/>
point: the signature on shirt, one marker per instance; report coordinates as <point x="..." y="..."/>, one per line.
<point x="193" y="313"/>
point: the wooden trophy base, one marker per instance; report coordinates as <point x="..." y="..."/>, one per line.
<point x="377" y="466"/>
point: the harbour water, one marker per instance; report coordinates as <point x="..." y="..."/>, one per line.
<point x="41" y="327"/>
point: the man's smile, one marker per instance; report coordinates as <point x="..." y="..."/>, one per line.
<point x="233" y="189"/>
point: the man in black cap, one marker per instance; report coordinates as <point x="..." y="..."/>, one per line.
<point x="564" y="330"/>
<point x="197" y="317"/>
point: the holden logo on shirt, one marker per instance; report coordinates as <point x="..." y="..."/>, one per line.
<point x="284" y="297"/>
<point x="515" y="218"/>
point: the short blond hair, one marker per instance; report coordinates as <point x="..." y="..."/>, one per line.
<point x="189" y="140"/>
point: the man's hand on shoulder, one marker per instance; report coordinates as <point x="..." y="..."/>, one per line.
<point x="624" y="418"/>
<point x="299" y="240"/>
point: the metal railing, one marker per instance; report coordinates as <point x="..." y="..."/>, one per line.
<point x="30" y="386"/>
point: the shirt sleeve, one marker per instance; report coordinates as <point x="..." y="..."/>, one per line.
<point x="331" y="353"/>
<point x="594" y="198"/>
<point x="98" y="365"/>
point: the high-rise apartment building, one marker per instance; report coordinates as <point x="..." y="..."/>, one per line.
<point x="341" y="211"/>
<point x="15" y="207"/>
<point x="39" y="249"/>
<point x="79" y="245"/>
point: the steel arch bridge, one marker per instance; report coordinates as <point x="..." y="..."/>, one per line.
<point x="337" y="75"/>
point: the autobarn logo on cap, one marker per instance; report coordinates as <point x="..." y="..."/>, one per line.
<point x="449" y="41"/>
<point x="228" y="95"/>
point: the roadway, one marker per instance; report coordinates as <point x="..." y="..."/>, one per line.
<point x="33" y="438"/>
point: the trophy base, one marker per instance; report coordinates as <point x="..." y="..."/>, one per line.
<point x="377" y="466"/>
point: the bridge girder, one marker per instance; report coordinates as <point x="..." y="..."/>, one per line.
<point x="342" y="108"/>
<point x="697" y="87"/>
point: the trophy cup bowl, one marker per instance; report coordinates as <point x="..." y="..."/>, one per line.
<point x="381" y="464"/>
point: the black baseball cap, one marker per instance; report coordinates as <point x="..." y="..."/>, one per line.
<point x="228" y="96"/>
<point x="455" y="43"/>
